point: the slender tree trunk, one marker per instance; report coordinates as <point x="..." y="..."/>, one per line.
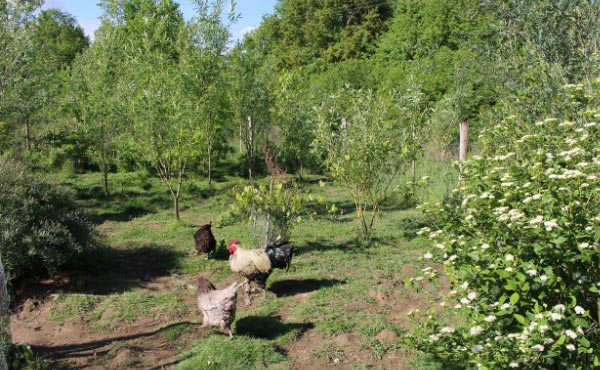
<point x="104" y="165"/>
<point x="176" y="206"/>
<point x="5" y="334"/>
<point x="300" y="169"/>
<point x="105" y="180"/>
<point x="3" y="365"/>
<point x="413" y="172"/>
<point x="241" y="140"/>
<point x="209" y="166"/>
<point x="27" y="134"/>
<point x="250" y="147"/>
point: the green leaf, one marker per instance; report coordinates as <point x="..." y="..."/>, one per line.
<point x="514" y="298"/>
<point x="520" y="318"/>
<point x="583" y="342"/>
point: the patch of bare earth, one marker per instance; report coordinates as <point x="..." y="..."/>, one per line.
<point x="144" y="343"/>
<point x="74" y="344"/>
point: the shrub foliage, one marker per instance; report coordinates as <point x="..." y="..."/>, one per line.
<point x="520" y="239"/>
<point x="42" y="227"/>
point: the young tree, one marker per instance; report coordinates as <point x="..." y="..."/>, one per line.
<point x="204" y="68"/>
<point x="294" y="116"/>
<point x="360" y="133"/>
<point x="251" y="97"/>
<point x="166" y="106"/>
<point x="97" y="98"/>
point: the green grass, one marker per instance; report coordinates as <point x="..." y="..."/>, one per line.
<point x="109" y="312"/>
<point x="243" y="353"/>
<point x="70" y="306"/>
<point x="331" y="287"/>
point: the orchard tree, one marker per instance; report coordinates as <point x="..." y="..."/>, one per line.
<point x="37" y="50"/>
<point x="251" y="97"/>
<point x="360" y="134"/>
<point x="98" y="92"/>
<point x="295" y="117"/>
<point x="168" y="109"/>
<point x="16" y="58"/>
<point x="204" y="68"/>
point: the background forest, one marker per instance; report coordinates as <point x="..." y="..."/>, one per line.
<point x="330" y="109"/>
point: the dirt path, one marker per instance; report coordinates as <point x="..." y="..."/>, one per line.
<point x="73" y="344"/>
<point x="150" y="343"/>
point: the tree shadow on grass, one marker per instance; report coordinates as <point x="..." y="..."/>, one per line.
<point x="105" y="270"/>
<point x="328" y="245"/>
<point x="269" y="327"/>
<point x="99" y="347"/>
<point x="291" y="287"/>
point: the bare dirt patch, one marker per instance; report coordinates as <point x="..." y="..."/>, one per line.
<point x="156" y="343"/>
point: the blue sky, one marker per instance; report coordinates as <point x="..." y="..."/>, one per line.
<point x="88" y="13"/>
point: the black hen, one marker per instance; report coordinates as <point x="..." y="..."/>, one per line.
<point x="205" y="240"/>
<point x="280" y="254"/>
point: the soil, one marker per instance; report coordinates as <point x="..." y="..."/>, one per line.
<point x="73" y="344"/>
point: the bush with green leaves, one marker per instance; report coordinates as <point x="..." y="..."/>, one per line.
<point x="42" y="227"/>
<point x="520" y="242"/>
<point x="272" y="210"/>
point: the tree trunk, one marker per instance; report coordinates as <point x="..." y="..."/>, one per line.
<point x="105" y="175"/>
<point x="209" y="167"/>
<point x="250" y="147"/>
<point x="5" y="335"/>
<point x="241" y="140"/>
<point x="176" y="205"/>
<point x="27" y="134"/>
<point x="3" y="365"/>
<point x="413" y="175"/>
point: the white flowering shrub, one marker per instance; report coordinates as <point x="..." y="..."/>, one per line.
<point x="520" y="240"/>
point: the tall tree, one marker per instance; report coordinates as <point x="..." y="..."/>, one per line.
<point x="38" y="49"/>
<point x="303" y="31"/>
<point x="166" y="106"/>
<point x="17" y="54"/>
<point x="542" y="46"/>
<point x="204" y="67"/>
<point x="294" y="116"/>
<point x="97" y="98"/>
<point x="442" y="47"/>
<point x="251" y="97"/>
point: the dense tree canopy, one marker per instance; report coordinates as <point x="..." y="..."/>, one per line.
<point x="156" y="90"/>
<point x="332" y="30"/>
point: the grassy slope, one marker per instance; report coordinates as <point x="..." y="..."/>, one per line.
<point x="335" y="289"/>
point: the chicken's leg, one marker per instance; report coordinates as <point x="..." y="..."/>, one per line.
<point x="247" y="291"/>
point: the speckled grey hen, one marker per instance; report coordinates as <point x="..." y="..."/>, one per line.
<point x="217" y="305"/>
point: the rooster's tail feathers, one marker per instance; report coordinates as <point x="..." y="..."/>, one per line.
<point x="280" y="254"/>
